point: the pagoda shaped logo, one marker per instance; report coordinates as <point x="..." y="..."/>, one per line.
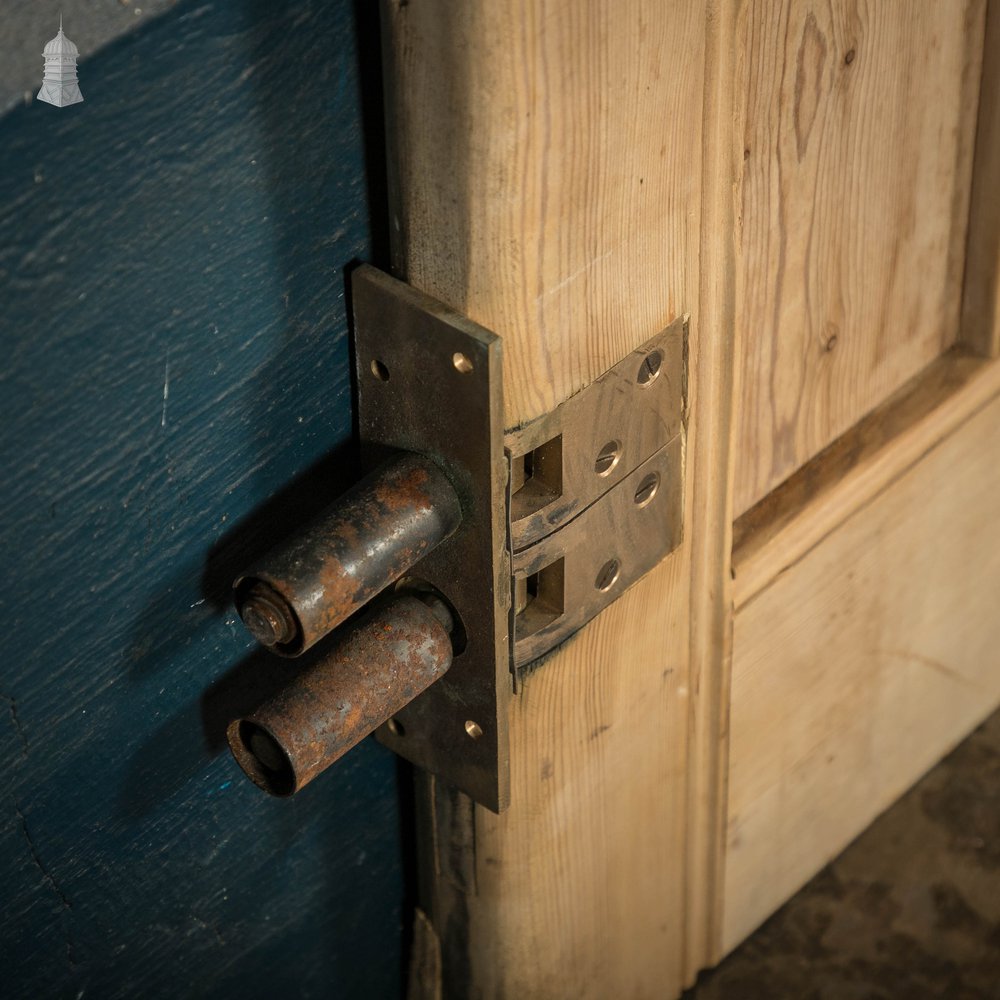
<point x="59" y="85"/>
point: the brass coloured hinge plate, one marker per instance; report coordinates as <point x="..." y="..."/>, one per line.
<point x="596" y="497"/>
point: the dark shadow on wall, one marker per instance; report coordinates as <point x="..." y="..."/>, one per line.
<point x="175" y="394"/>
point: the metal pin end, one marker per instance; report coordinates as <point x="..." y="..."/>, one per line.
<point x="268" y="617"/>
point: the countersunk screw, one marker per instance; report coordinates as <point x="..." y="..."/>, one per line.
<point x="607" y="576"/>
<point x="650" y="368"/>
<point x="268" y="617"/>
<point x="647" y="489"/>
<point x="607" y="458"/>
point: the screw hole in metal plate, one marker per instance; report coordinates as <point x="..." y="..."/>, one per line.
<point x="473" y="729"/>
<point x="607" y="575"/>
<point x="461" y="363"/>
<point x="649" y="370"/>
<point x="380" y="371"/>
<point x="647" y="489"/>
<point x="607" y="458"/>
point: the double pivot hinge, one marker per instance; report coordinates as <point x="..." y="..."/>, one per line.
<point x="479" y="550"/>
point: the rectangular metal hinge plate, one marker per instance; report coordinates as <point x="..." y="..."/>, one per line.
<point x="560" y="516"/>
<point x="431" y="381"/>
<point x="595" y="497"/>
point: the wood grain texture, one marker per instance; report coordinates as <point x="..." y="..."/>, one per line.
<point x="775" y="533"/>
<point x="860" y="121"/>
<point x="174" y="395"/>
<point x="559" y="218"/>
<point x="981" y="292"/>
<point x="859" y="666"/>
<point x="548" y="170"/>
<point x="711" y="519"/>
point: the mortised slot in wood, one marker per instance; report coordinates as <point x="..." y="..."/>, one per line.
<point x="541" y="478"/>
<point x="544" y="598"/>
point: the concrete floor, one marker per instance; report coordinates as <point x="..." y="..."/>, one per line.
<point x="910" y="911"/>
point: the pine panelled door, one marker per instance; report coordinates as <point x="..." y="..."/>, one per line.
<point x="808" y="189"/>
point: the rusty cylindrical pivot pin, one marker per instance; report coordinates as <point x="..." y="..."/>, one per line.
<point x="382" y="663"/>
<point x="306" y="587"/>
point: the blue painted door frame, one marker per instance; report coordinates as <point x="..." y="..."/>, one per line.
<point x="175" y="393"/>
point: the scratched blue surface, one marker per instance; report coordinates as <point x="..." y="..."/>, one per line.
<point x="174" y="389"/>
